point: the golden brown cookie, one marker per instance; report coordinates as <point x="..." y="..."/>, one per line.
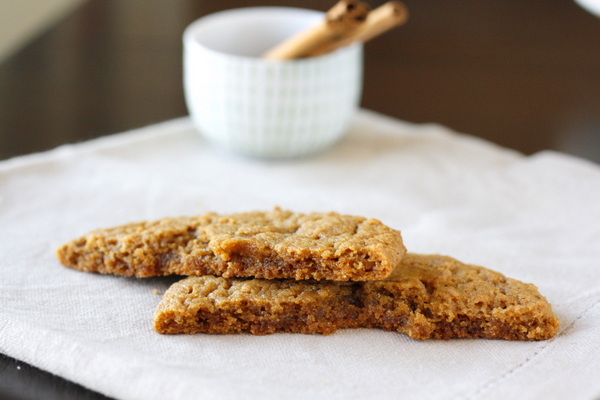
<point x="425" y="297"/>
<point x="275" y="244"/>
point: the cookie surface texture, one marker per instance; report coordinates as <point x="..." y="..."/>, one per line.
<point x="271" y="245"/>
<point x="425" y="297"/>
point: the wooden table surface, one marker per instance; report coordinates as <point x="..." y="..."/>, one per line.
<point x="523" y="74"/>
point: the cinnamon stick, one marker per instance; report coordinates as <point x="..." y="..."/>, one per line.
<point x="342" y="19"/>
<point x="380" y="20"/>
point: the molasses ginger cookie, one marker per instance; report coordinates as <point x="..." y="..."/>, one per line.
<point x="271" y="245"/>
<point x="427" y="296"/>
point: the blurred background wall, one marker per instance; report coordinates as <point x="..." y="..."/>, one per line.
<point x="23" y="20"/>
<point x="523" y="74"/>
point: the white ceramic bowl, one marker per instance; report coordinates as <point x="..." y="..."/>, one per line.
<point x="267" y="108"/>
<point x="592" y="6"/>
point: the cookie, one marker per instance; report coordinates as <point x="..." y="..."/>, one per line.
<point x="271" y="245"/>
<point x="426" y="296"/>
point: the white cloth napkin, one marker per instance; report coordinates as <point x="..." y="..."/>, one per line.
<point x="536" y="219"/>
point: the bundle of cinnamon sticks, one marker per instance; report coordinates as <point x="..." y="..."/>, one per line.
<point x="346" y="22"/>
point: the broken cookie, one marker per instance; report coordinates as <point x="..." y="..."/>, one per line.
<point x="427" y="296"/>
<point x="270" y="245"/>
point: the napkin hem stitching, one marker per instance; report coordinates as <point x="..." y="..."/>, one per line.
<point x="541" y="350"/>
